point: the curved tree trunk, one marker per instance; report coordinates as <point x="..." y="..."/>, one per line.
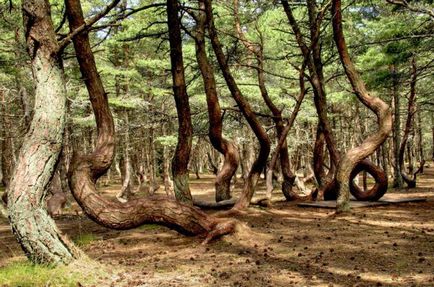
<point x="225" y="147"/>
<point x="257" y="50"/>
<point x="289" y="182"/>
<point x="260" y="133"/>
<point x="86" y="170"/>
<point x="380" y="108"/>
<point x="34" y="229"/>
<point x="312" y="58"/>
<point x="185" y="129"/>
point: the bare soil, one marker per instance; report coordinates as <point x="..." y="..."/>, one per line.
<point x="285" y="245"/>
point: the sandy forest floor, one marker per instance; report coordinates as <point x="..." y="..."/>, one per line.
<point x="285" y="246"/>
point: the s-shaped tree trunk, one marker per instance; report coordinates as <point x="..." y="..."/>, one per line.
<point x="86" y="170"/>
<point x="257" y="51"/>
<point x="379" y="107"/>
<point x="33" y="227"/>
<point x="225" y="147"/>
<point x="259" y="131"/>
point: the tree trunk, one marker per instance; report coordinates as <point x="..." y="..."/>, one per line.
<point x="420" y="137"/>
<point x="185" y="129"/>
<point x="215" y="132"/>
<point x="260" y="133"/>
<point x="58" y="198"/>
<point x="34" y="229"/>
<point x="314" y="63"/>
<point x="411" y="111"/>
<point x="289" y="181"/>
<point x="7" y="152"/>
<point x="168" y="184"/>
<point x="380" y="108"/>
<point x="86" y="170"/>
<point x="126" y="166"/>
<point x="397" y="179"/>
<point x="257" y="50"/>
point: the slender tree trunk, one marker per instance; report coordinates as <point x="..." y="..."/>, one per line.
<point x="215" y="132"/>
<point x="7" y="152"/>
<point x="409" y="126"/>
<point x="397" y="179"/>
<point x="185" y="129"/>
<point x="380" y="108"/>
<point x="287" y="184"/>
<point x="34" y="229"/>
<point x="419" y="137"/>
<point x="168" y="184"/>
<point x="126" y="166"/>
<point x="260" y="133"/>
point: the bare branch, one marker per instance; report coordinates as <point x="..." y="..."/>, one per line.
<point x="65" y="41"/>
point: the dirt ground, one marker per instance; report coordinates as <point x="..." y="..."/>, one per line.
<point x="286" y="245"/>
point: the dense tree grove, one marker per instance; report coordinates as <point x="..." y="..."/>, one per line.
<point x="319" y="99"/>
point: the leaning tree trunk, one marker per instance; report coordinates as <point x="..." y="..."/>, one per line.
<point x="222" y="145"/>
<point x="34" y="229"/>
<point x="380" y="108"/>
<point x="86" y="170"/>
<point x="260" y="133"/>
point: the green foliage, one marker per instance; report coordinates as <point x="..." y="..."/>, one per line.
<point x="169" y="141"/>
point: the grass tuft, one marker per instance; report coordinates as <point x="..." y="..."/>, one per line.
<point x="85" y="239"/>
<point x="26" y="274"/>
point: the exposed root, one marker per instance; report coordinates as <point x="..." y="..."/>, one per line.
<point x="222" y="227"/>
<point x="229" y="203"/>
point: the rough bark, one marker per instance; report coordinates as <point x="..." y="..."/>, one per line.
<point x="36" y="232"/>
<point x="185" y="129"/>
<point x="379" y="107"/>
<point x="260" y="133"/>
<point x="215" y="132"/>
<point x="86" y="170"/>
